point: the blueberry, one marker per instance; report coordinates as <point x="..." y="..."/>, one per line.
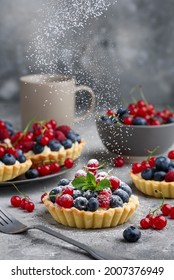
<point x="10" y="128"/>
<point x="20" y="152"/>
<point x="122" y="194"/>
<point x="106" y="119"/>
<point x="21" y="158"/>
<point x="77" y="193"/>
<point x="72" y="136"/>
<point x="32" y="173"/>
<point x="78" y="138"/>
<point x="170" y="120"/>
<point x="162" y="163"/>
<point x="122" y="111"/>
<point x="67" y="143"/>
<point x="38" y="148"/>
<point x="53" y="193"/>
<point x="116" y="201"/>
<point x="38" y="138"/>
<point x="93" y="204"/>
<point x="125" y="188"/>
<point x="159" y="175"/>
<point x="88" y="194"/>
<point x="132" y="234"/>
<point x="63" y="182"/>
<point x="139" y="121"/>
<point x="81" y="203"/>
<point x="8" y="159"/>
<point x="54" y="145"/>
<point x="147" y="174"/>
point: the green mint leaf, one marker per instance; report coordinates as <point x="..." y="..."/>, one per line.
<point x="79" y="182"/>
<point x="91" y="180"/>
<point x="103" y="184"/>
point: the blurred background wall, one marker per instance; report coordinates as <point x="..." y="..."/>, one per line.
<point x="130" y="43"/>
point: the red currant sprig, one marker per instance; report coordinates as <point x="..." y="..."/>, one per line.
<point x="22" y="201"/>
<point x="155" y="220"/>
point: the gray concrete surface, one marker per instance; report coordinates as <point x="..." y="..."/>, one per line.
<point x="36" y="245"/>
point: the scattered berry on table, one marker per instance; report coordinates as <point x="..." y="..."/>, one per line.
<point x="119" y="161"/>
<point x="15" y="201"/>
<point x="132" y="234"/>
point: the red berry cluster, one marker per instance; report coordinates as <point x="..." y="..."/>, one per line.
<point x="5" y="132"/>
<point x="47" y="169"/>
<point x="23" y="203"/>
<point x="158" y="221"/>
<point x="45" y="130"/>
<point x="4" y="149"/>
<point x="138" y="167"/>
<point x="143" y="110"/>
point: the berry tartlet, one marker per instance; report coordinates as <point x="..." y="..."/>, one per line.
<point x="13" y="163"/>
<point x="155" y="177"/>
<point x="93" y="199"/>
<point x="47" y="142"/>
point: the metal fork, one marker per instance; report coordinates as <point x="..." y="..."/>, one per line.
<point x="10" y="225"/>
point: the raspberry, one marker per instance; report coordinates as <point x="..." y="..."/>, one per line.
<point x="64" y="128"/>
<point x="106" y="192"/>
<point x="169" y="177"/>
<point x="65" y="200"/>
<point x="104" y="201"/>
<point x="60" y="136"/>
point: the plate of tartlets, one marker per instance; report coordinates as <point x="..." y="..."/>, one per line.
<point x="43" y="150"/>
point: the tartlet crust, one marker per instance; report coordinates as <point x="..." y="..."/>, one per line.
<point x="74" y="152"/>
<point x="101" y="218"/>
<point x="153" y="188"/>
<point x="9" y="172"/>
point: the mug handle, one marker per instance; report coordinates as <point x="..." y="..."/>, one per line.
<point x="90" y="92"/>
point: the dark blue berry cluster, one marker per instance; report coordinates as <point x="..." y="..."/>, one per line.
<point x="163" y="169"/>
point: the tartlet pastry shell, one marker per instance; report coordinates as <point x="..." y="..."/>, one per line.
<point x="153" y="188"/>
<point x="9" y="172"/>
<point x="101" y="218"/>
<point x="74" y="152"/>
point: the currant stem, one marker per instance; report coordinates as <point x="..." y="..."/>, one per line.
<point x="22" y="194"/>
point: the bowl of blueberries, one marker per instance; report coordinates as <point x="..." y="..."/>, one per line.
<point x="136" y="130"/>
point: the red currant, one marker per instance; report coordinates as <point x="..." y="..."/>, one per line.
<point x="119" y="161"/>
<point x="165" y="209"/>
<point x="69" y="162"/>
<point x="145" y="223"/>
<point x="44" y="170"/>
<point x="54" y="167"/>
<point x="109" y="112"/>
<point x="171" y="154"/>
<point x="15" y="201"/>
<point x="24" y="201"/>
<point x="136" y="167"/>
<point x="42" y="196"/>
<point x="151" y="218"/>
<point x="159" y="222"/>
<point x="44" y="140"/>
<point x="171" y="214"/>
<point x="115" y="182"/>
<point x="29" y="206"/>
<point x="128" y="120"/>
<point x="2" y="151"/>
<point x="93" y="165"/>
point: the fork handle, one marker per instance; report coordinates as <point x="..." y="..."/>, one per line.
<point x="96" y="255"/>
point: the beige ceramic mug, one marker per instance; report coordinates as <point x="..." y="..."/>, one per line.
<point x="45" y="97"/>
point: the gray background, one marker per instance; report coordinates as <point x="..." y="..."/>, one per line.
<point x="132" y="42"/>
